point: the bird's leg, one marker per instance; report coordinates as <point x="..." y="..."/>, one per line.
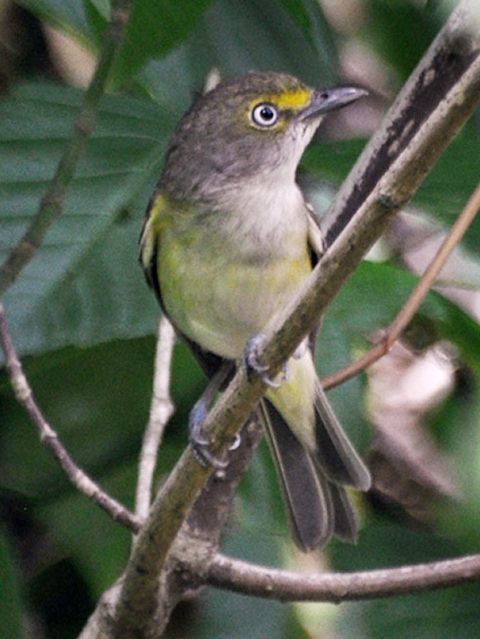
<point x="198" y="414"/>
<point x="252" y="363"/>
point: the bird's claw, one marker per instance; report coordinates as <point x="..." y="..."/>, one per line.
<point x="236" y="442"/>
<point x="252" y="362"/>
<point x="201" y="445"/>
<point x="206" y="458"/>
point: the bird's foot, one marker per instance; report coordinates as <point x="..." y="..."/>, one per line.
<point x="252" y="362"/>
<point x="200" y="445"/>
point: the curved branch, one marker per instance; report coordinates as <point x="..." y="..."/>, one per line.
<point x="247" y="579"/>
<point x="50" y="439"/>
<point x="51" y="207"/>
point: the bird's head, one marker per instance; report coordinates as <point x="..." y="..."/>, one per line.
<point x="249" y="127"/>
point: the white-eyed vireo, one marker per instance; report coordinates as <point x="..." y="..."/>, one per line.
<point x="227" y="241"/>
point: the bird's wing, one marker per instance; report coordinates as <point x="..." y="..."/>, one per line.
<point x="315" y="236"/>
<point x="317" y="508"/>
<point x="316" y="247"/>
<point x="305" y="491"/>
<point x="158" y="214"/>
<point x="149" y="240"/>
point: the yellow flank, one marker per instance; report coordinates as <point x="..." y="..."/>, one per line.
<point x="159" y="215"/>
<point x="294" y="100"/>
<point x="159" y="212"/>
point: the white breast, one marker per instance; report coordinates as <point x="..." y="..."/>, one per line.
<point x="268" y="217"/>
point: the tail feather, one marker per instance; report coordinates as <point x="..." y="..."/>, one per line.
<point x="314" y="458"/>
<point x="346" y="525"/>
<point x="312" y="481"/>
<point x="336" y="456"/>
<point x="307" y="497"/>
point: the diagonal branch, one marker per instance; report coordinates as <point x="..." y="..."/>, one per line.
<point x="447" y="87"/>
<point x="393" y="332"/>
<point x="51" y="204"/>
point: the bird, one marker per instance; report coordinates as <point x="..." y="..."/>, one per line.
<point x="228" y="239"/>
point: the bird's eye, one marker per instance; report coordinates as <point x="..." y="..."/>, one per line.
<point x="264" y="115"/>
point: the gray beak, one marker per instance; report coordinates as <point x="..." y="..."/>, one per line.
<point x="330" y="99"/>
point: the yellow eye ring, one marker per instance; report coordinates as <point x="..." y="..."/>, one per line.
<point x="264" y="115"/>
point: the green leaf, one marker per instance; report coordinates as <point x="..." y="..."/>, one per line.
<point x="444" y="613"/>
<point x="377" y="292"/>
<point x="463" y="331"/>
<point x="456" y="427"/>
<point x="98" y="401"/>
<point x="368" y="302"/>
<point x="400" y="31"/>
<point x="259" y="504"/>
<point x="65" y="14"/>
<point x="103" y="8"/>
<point x="11" y="601"/>
<point x="330" y="159"/>
<point x="99" y="557"/>
<point x="84" y="285"/>
<point x="454" y="178"/>
<point x="222" y="615"/>
<point x="311" y="20"/>
<point x="238" y="37"/>
<point x="153" y="29"/>
<point x="98" y="17"/>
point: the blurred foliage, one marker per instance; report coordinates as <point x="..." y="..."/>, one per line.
<point x="83" y="320"/>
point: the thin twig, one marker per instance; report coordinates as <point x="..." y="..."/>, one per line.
<point x="161" y="409"/>
<point x="51" y="204"/>
<point x="256" y="581"/>
<point x="50" y="439"/>
<point x="393" y="332"/>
